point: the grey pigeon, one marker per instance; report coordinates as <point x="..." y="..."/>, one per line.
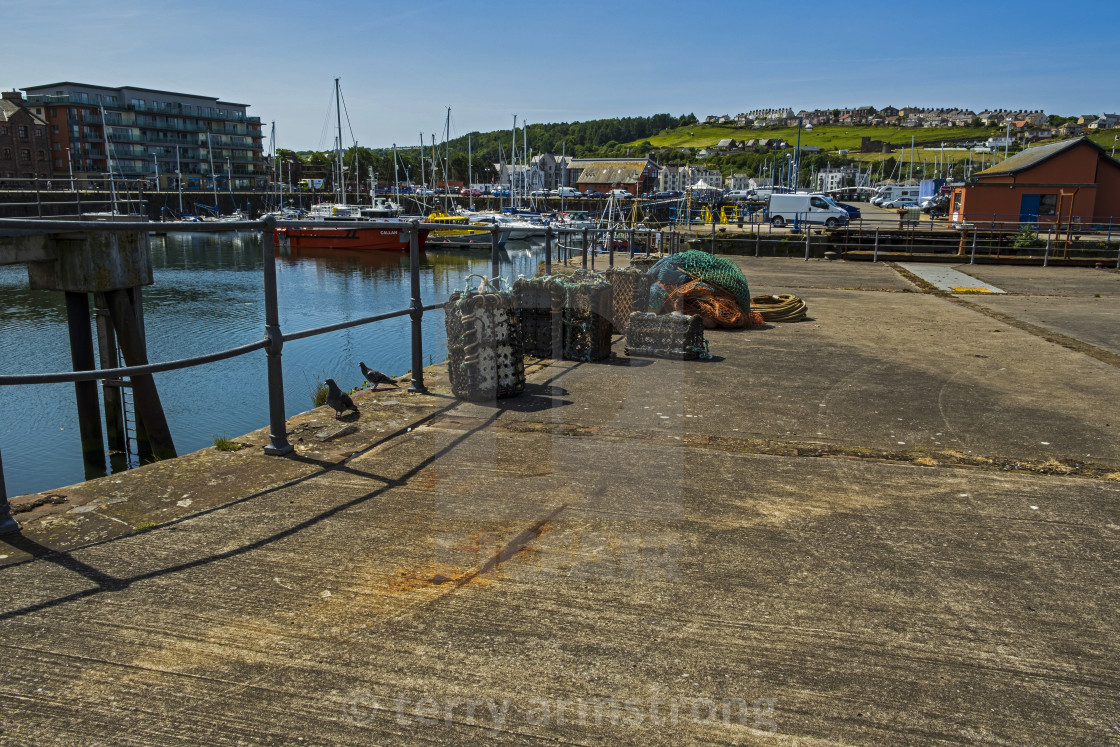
<point x="339" y="399"/>
<point x="376" y="377"/>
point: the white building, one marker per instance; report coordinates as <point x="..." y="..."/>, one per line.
<point x="738" y="181"/>
<point x="848" y="176"/>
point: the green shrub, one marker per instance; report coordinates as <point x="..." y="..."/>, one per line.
<point x="221" y="443"/>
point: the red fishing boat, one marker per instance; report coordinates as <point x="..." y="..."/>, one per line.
<point x="350" y="235"/>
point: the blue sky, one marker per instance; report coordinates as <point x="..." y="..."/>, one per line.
<point x="402" y="64"/>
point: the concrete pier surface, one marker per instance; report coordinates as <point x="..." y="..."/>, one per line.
<point x="897" y="522"/>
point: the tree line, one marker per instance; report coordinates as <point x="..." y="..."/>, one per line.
<point x="600" y="137"/>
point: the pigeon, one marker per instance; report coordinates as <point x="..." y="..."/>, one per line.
<point x="338" y="399"/>
<point x="376" y="377"/>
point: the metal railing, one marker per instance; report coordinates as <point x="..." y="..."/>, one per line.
<point x="605" y="240"/>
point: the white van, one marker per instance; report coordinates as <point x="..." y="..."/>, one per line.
<point x="566" y="192"/>
<point x="889" y="192"/>
<point x="806" y="208"/>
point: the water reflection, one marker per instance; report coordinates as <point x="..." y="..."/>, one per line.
<point x="208" y="296"/>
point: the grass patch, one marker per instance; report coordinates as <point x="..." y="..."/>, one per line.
<point x="319" y="394"/>
<point x="221" y="443"/>
<point x="145" y="526"/>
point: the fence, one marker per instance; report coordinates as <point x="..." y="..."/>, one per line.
<point x="591" y="241"/>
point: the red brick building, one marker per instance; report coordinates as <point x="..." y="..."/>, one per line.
<point x="637" y="176"/>
<point x="1072" y="181"/>
<point x="24" y="142"/>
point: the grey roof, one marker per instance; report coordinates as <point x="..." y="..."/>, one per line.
<point x="612" y="172"/>
<point x="1031" y="157"/>
<point x="7" y="109"/>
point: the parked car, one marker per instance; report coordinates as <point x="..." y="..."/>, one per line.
<point x="469" y="192"/>
<point x="739" y="194"/>
<point x="668" y="194"/>
<point x="901" y="202"/>
<point x="566" y="192"/>
<point x="853" y="212"/>
<point x="539" y="193"/>
<point x="503" y="192"/>
<point x="423" y="191"/>
<point x="620" y="194"/>
<point x="596" y="195"/>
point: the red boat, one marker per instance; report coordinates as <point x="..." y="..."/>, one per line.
<point x="349" y="236"/>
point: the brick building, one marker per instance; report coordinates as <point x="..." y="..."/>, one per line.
<point x="24" y="142"/>
<point x="636" y="176"/>
<point x="1071" y="181"/>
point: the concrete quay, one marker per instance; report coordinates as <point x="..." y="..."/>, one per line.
<point x="895" y="522"/>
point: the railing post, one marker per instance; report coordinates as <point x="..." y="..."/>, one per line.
<point x="416" y="310"/>
<point x="610" y="260"/>
<point x="875" y="254"/>
<point x="808" y="233"/>
<point x="972" y="257"/>
<point x="548" y="250"/>
<point x="593" y="249"/>
<point x="631" y="244"/>
<point x="495" y="260"/>
<point x="7" y="523"/>
<point x="1046" y="254"/>
<point x="583" y="249"/>
<point x="757" y="239"/>
<point x="277" y="424"/>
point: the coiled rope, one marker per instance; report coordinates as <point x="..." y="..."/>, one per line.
<point x="779" y="308"/>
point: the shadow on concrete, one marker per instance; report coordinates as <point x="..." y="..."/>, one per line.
<point x="107" y="583"/>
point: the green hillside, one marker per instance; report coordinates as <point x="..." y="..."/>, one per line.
<point x="826" y="137"/>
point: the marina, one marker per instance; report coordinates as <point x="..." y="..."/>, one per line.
<point x="207" y="295"/>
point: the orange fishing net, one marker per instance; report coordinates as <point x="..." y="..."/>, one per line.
<point x="716" y="307"/>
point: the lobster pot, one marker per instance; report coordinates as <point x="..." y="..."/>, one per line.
<point x="586" y="317"/>
<point x="676" y="336"/>
<point x="485" y="359"/>
<point x="629" y="293"/>
<point x="539" y="302"/>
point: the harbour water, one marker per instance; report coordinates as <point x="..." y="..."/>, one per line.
<point x="208" y="296"/>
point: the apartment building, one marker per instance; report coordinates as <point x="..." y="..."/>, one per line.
<point x="149" y="135"/>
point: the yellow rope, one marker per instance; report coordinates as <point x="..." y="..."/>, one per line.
<point x="779" y="308"/>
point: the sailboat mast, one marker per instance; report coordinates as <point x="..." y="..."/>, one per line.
<point x="340" y="188"/>
<point x="512" y="160"/>
<point x="470" y="172"/>
<point x="213" y="178"/>
<point x="396" y="174"/>
<point x="423" y="174"/>
<point x="447" y="154"/>
<point x="109" y="158"/>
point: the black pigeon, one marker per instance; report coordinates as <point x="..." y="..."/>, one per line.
<point x="376" y="377"/>
<point x="338" y="399"/>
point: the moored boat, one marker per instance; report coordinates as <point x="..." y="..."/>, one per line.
<point x="459" y="235"/>
<point x="380" y="236"/>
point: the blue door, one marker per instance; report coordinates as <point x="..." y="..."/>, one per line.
<point x="1028" y="209"/>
